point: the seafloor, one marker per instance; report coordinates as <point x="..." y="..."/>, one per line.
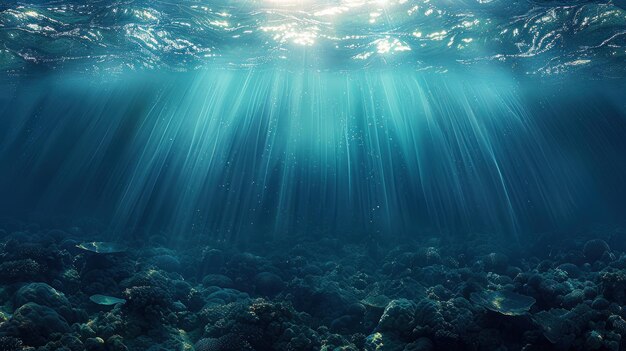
<point x="556" y="291"/>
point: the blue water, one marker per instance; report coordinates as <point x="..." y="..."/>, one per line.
<point x="253" y="119"/>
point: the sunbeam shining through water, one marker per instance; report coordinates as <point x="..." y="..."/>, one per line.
<point x="237" y="152"/>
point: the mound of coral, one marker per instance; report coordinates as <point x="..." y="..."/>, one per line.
<point x="300" y="293"/>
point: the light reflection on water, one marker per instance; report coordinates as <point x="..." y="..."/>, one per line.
<point x="532" y="37"/>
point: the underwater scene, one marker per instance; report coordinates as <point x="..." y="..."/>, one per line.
<point x="378" y="175"/>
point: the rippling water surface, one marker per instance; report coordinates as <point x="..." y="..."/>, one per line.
<point x="531" y="37"/>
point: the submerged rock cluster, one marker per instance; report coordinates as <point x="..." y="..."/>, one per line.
<point x="60" y="291"/>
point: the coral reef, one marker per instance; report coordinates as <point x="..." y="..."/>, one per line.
<point x="300" y="294"/>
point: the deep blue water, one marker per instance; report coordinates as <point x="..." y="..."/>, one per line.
<point x="377" y="175"/>
<point x="257" y="118"/>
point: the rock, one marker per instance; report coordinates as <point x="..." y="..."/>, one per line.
<point x="564" y="328"/>
<point x="116" y="343"/>
<point x="554" y="326"/>
<point x="167" y="263"/>
<point x="105" y="300"/>
<point x="613" y="285"/>
<point x="179" y="306"/>
<point x="382" y="342"/>
<point x="224" y="296"/>
<point x="504" y="302"/>
<point x="101" y="247"/>
<point x="344" y="324"/>
<point x="618" y="324"/>
<point x="356" y="309"/>
<point x="594" y="249"/>
<point x="376" y="301"/>
<point x="399" y="316"/>
<point x="310" y="270"/>
<point x="44" y="295"/>
<point x="227" y="342"/>
<point x="593" y="341"/>
<point x="512" y="272"/>
<point x="590" y="292"/>
<point x="571" y="269"/>
<point x="19" y="270"/>
<point x="600" y="303"/>
<point x="148" y="305"/>
<point x="94" y="344"/>
<point x="212" y="260"/>
<point x="268" y="284"/>
<point x="9" y="343"/>
<point x="217" y="280"/>
<point x="573" y="298"/>
<point x="427" y="256"/>
<point x="35" y="324"/>
<point x="496" y="262"/>
<point x="421" y="344"/>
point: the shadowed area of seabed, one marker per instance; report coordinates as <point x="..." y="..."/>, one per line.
<point x="249" y="153"/>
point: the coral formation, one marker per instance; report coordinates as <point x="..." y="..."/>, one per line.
<point x="309" y="295"/>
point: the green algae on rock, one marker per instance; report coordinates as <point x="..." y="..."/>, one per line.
<point x="102" y="247"/>
<point x="505" y="302"/>
<point x="376" y="301"/>
<point x="105" y="300"/>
